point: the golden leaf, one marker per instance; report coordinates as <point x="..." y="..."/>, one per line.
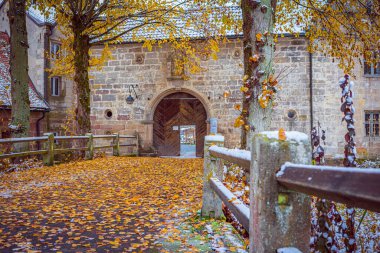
<point x="281" y="134"/>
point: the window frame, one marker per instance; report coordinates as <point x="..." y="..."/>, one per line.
<point x="371" y="123"/>
<point x="55" y="89"/>
<point x="372" y="68"/>
<point x="54" y="55"/>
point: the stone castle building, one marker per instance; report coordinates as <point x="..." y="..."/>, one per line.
<point x="165" y="104"/>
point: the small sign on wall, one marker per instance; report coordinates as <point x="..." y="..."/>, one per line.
<point x="213" y="125"/>
<point x="175" y="128"/>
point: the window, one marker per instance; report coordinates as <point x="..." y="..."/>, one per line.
<point x="55" y="50"/>
<point x="55" y="83"/>
<point x="372" y="69"/>
<point x="372" y="123"/>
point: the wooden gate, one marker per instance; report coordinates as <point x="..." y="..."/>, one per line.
<point x="173" y="111"/>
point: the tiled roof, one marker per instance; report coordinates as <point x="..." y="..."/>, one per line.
<point x="36" y="100"/>
<point x="193" y="31"/>
<point x="37" y="16"/>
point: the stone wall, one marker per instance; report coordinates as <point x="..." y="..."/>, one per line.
<point x="153" y="77"/>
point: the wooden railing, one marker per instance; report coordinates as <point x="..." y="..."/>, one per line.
<point x="50" y="148"/>
<point x="279" y="215"/>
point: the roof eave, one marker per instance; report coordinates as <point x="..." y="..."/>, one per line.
<point x="236" y="36"/>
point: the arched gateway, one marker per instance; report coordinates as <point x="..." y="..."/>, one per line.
<point x="179" y="125"/>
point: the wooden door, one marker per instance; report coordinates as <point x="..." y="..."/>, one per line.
<point x="173" y="111"/>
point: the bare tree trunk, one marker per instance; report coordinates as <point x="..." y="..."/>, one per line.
<point x="81" y="47"/>
<point x="258" y="36"/>
<point x="20" y="122"/>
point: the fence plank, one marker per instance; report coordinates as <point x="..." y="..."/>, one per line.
<point x="24" y="139"/>
<point x="352" y="186"/>
<point x="64" y="150"/>
<point x="237" y="207"/>
<point x="127" y="136"/>
<point x="27" y="153"/>
<point x="105" y="146"/>
<point x="105" y="136"/>
<point x="63" y="138"/>
<point x="244" y="163"/>
<point x="127" y="145"/>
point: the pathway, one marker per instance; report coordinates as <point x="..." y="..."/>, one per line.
<point x="113" y="204"/>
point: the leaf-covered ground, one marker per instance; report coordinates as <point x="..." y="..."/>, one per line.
<point x="111" y="204"/>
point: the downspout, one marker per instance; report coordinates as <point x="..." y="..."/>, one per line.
<point x="311" y="90"/>
<point x="38" y="128"/>
<point x="47" y="35"/>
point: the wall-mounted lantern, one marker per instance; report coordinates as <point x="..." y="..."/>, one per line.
<point x="130" y="99"/>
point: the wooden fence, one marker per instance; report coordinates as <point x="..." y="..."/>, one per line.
<point x="281" y="181"/>
<point x="50" y="149"/>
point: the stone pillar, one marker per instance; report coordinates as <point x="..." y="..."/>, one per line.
<point x="212" y="167"/>
<point x="278" y="218"/>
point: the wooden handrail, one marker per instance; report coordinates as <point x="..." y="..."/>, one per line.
<point x="229" y="155"/>
<point x="351" y="186"/>
<point x="70" y="137"/>
<point x="127" y="136"/>
<point x="105" y="136"/>
<point x="50" y="149"/>
<point x="237" y="207"/>
<point x="23" y="139"/>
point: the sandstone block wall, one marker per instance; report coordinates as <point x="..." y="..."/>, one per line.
<point x="153" y="78"/>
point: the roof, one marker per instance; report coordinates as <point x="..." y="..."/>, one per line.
<point x="36" y="100"/>
<point x="36" y="15"/>
<point x="196" y="30"/>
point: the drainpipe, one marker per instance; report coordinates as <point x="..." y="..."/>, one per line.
<point x="47" y="35"/>
<point x="311" y="90"/>
<point x="38" y="128"/>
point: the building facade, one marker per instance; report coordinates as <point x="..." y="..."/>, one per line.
<point x="57" y="92"/>
<point x="163" y="102"/>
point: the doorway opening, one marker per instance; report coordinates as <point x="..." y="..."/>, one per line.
<point x="188" y="141"/>
<point x="179" y="125"/>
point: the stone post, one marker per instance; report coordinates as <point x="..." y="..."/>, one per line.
<point x="116" y="145"/>
<point x="278" y="218"/>
<point x="90" y="146"/>
<point x="212" y="167"/>
<point x="49" y="147"/>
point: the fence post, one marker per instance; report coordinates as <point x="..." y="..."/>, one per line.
<point x="278" y="218"/>
<point x="212" y="167"/>
<point x="90" y="146"/>
<point x="116" y="145"/>
<point x="137" y="143"/>
<point x="49" y="146"/>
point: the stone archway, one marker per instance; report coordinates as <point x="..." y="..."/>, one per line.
<point x="173" y="111"/>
